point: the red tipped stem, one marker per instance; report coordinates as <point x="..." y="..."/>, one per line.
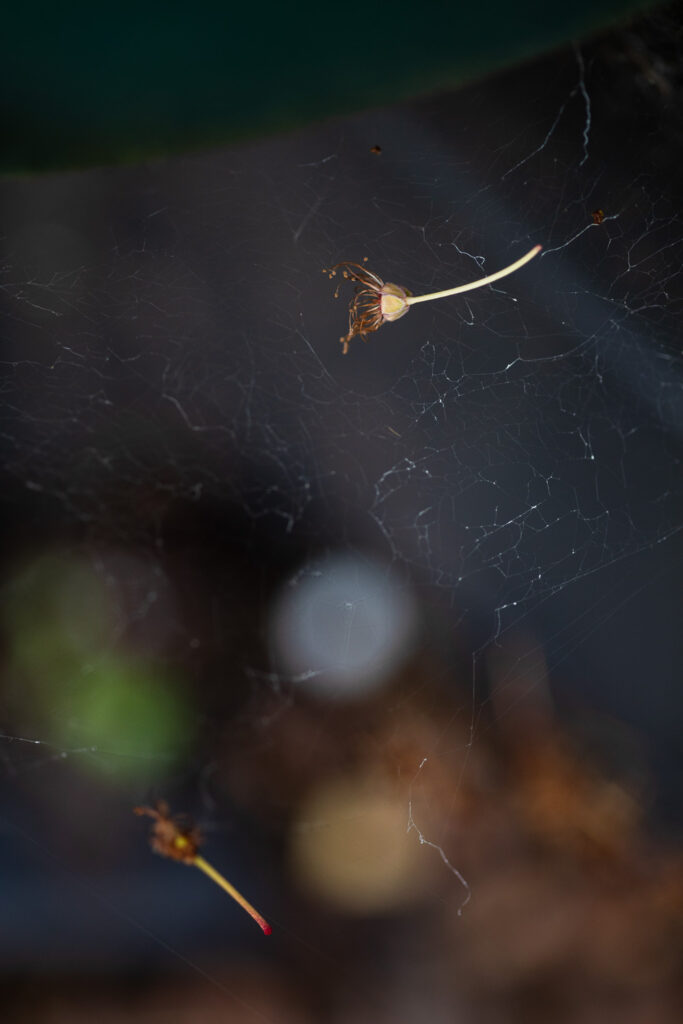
<point x="232" y="891"/>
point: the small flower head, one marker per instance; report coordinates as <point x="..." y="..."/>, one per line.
<point x="177" y="838"/>
<point x="373" y="304"/>
<point x="393" y="302"/>
<point x="172" y="837"/>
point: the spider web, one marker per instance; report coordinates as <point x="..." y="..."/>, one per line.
<point x="177" y="417"/>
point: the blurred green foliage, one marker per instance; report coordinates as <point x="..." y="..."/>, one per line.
<point x="71" y="683"/>
<point x="84" y="83"/>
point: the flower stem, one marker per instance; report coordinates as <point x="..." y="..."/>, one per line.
<point x="204" y="866"/>
<point x="412" y="299"/>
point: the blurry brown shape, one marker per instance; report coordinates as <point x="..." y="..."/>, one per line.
<point x="579" y="918"/>
<point x="244" y="993"/>
<point x="520" y="925"/>
<point x="575" y="914"/>
<point x="598" y="216"/>
<point x="567" y="804"/>
<point x="386" y="735"/>
<point x="172" y="836"/>
<point x="633" y="932"/>
<point x="376" y="150"/>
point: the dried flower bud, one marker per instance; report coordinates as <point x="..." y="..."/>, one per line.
<point x="392" y="302"/>
<point x="375" y="303"/>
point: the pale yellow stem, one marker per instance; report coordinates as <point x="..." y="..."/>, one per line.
<point x="412" y="299"/>
<point x="204" y="866"/>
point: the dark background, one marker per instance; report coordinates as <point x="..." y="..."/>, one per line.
<point x="181" y="437"/>
<point x="83" y="84"/>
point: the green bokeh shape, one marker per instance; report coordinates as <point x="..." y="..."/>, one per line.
<point x="70" y="689"/>
<point x="82" y="83"/>
<point x="130" y="715"/>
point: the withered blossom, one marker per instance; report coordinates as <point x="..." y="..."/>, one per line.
<point x="375" y="302"/>
<point x="179" y="839"/>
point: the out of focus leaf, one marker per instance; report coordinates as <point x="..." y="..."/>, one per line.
<point x="84" y="83"/>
